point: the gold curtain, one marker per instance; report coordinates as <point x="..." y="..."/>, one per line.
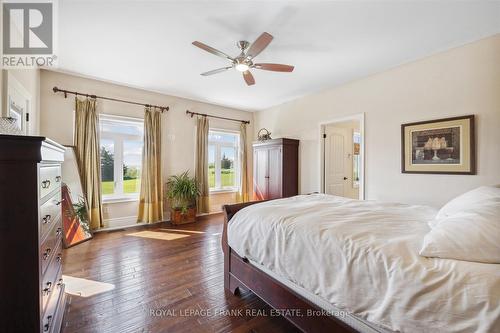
<point x="151" y="197"/>
<point x="201" y="169"/>
<point x="243" y="193"/>
<point x="88" y="157"/>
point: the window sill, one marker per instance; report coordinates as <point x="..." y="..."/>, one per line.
<point x="221" y="191"/>
<point x="119" y="200"/>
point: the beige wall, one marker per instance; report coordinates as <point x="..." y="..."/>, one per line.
<point x="220" y="199"/>
<point x="464" y="80"/>
<point x="179" y="129"/>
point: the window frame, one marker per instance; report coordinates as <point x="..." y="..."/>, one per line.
<point x="218" y="157"/>
<point x="118" y="152"/>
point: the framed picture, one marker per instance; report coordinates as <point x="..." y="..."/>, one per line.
<point x="442" y="146"/>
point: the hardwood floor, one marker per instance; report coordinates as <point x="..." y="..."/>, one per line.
<point x="166" y="279"/>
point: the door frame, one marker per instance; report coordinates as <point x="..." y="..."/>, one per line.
<point x="356" y="117"/>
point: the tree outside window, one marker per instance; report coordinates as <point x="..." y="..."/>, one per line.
<point x="121" y="156"/>
<point x="223" y="160"/>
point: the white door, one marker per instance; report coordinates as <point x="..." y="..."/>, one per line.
<point x="18" y="104"/>
<point x="18" y="113"/>
<point x="337" y="157"/>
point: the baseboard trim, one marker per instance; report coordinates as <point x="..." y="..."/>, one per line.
<point x="128" y="226"/>
<point x="128" y="222"/>
<point x="205" y="216"/>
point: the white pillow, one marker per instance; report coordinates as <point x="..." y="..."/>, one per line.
<point x="469" y="200"/>
<point x="470" y="235"/>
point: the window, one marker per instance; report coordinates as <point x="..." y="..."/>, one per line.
<point x="223" y="160"/>
<point x="121" y="157"/>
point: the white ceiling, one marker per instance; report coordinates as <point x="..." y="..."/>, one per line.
<point x="148" y="44"/>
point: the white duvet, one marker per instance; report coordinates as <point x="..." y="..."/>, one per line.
<point x="362" y="257"/>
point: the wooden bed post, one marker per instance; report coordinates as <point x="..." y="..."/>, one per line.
<point x="226" y="250"/>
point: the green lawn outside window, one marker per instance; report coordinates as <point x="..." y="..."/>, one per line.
<point x="129" y="186"/>
<point x="227" y="177"/>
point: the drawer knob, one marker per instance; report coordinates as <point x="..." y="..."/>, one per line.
<point x="58" y="231"/>
<point x="47" y="219"/>
<point x="60" y="282"/>
<point x="46" y="183"/>
<point x="47" y="253"/>
<point x="47" y="325"/>
<point x="59" y="202"/>
<point x="46" y="290"/>
<point x="58" y="179"/>
<point x="59" y="257"/>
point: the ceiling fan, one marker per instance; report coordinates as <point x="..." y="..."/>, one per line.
<point x="245" y="60"/>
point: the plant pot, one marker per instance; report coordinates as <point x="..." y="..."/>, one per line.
<point x="177" y="217"/>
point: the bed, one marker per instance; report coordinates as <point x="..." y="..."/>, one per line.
<point x="346" y="265"/>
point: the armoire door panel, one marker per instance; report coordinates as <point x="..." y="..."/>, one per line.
<point x="274" y="172"/>
<point x="260" y="174"/>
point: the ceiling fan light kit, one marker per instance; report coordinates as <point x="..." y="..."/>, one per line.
<point x="244" y="61"/>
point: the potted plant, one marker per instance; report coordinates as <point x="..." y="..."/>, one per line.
<point x="182" y="191"/>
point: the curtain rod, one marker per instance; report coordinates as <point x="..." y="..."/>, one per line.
<point x="207" y="115"/>
<point x="76" y="93"/>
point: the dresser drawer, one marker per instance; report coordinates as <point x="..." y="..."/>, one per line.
<point x="59" y="313"/>
<point x="52" y="316"/>
<point x="51" y="277"/>
<point x="51" y="246"/>
<point x="50" y="179"/>
<point x="49" y="213"/>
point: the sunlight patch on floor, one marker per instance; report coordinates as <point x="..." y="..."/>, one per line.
<point x="186" y="231"/>
<point x="158" y="235"/>
<point x="84" y="287"/>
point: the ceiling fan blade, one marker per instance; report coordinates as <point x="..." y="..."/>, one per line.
<point x="259" y="45"/>
<point x="215" y="71"/>
<point x="275" y="67"/>
<point x="211" y="50"/>
<point x="248" y="78"/>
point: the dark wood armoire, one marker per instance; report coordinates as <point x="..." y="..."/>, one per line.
<point x="275" y="169"/>
<point x="33" y="298"/>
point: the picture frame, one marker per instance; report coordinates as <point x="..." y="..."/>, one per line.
<point x="440" y="146"/>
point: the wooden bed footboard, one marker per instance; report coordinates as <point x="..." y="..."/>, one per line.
<point x="239" y="273"/>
